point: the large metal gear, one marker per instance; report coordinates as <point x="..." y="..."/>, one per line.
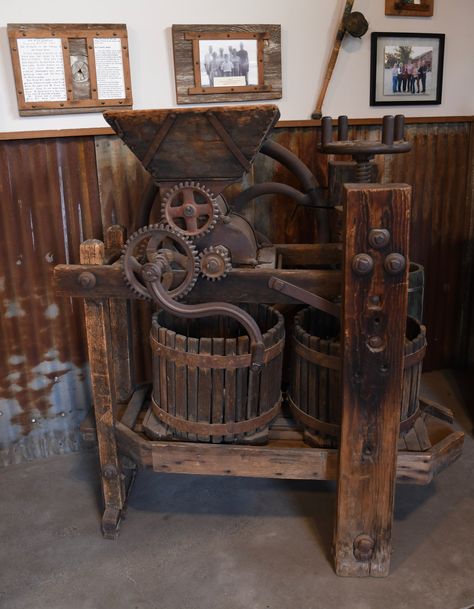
<point x="182" y="265"/>
<point x="190" y="209"/>
<point x="215" y="262"/>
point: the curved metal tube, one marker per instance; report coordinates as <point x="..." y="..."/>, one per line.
<point x="146" y="205"/>
<point x="271" y="188"/>
<point x="293" y="163"/>
<point x="160" y="294"/>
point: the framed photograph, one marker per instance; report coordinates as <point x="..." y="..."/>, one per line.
<point x="406" y="69"/>
<point x="409" y="8"/>
<point x="62" y="68"/>
<point x="227" y="62"/>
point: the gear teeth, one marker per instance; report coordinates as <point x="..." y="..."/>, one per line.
<point x="135" y="240"/>
<point x="168" y="199"/>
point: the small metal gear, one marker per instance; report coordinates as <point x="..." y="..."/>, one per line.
<point x="215" y="262"/>
<point x="190" y="209"/>
<point x="159" y="240"/>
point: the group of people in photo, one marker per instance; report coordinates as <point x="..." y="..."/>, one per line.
<point x="228" y="63"/>
<point x="409" y="77"/>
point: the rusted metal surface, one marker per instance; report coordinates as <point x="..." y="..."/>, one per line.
<point x="48" y="190"/>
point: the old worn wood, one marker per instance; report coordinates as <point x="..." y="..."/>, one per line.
<point x="196" y="398"/>
<point x="372" y="378"/>
<point x="203" y="144"/>
<point x="69" y="33"/>
<point x="99" y="342"/>
<point x="188" y="87"/>
<point x="241" y="285"/>
<point x="119" y="310"/>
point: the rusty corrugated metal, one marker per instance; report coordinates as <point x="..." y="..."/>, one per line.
<point x="49" y="203"/>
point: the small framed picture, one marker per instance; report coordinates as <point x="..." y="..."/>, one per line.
<point x="409" y="8"/>
<point x="406" y="69"/>
<point x="215" y="63"/>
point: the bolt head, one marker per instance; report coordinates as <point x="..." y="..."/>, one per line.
<point x="87" y="280"/>
<point x="363" y="548"/>
<point x="189" y="211"/>
<point x="362" y="264"/>
<point x="379" y="237"/>
<point x="394" y="264"/>
<point x="375" y="342"/>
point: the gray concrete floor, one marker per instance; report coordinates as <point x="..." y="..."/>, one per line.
<point x="226" y="543"/>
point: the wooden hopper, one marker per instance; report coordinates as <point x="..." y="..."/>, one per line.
<point x="212" y="145"/>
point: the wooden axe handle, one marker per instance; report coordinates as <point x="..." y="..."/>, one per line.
<point x="332" y="60"/>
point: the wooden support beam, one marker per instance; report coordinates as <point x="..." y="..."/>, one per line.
<point x="373" y="329"/>
<point x="98" y="331"/>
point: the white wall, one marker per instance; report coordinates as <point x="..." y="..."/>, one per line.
<point x="308" y="28"/>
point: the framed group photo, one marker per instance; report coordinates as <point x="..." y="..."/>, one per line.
<point x="406" y="69"/>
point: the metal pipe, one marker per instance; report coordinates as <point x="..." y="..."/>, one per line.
<point x="271" y="188"/>
<point x="146" y="205"/>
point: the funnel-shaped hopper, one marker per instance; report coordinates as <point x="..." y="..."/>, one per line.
<point x="206" y="144"/>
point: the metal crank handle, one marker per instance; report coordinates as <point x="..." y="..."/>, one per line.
<point x="152" y="276"/>
<point x="304" y="296"/>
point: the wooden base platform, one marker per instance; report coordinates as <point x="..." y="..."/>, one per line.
<point x="285" y="456"/>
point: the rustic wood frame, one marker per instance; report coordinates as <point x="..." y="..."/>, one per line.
<point x="395" y="7"/>
<point x="67" y="32"/>
<point x="367" y="464"/>
<point x="189" y="89"/>
<point x="375" y="38"/>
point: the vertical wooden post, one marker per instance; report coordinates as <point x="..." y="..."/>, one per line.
<point x="99" y="344"/>
<point x="374" y="317"/>
<point x="122" y="356"/>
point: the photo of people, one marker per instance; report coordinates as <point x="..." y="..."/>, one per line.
<point x="408" y="70"/>
<point x="228" y="63"/>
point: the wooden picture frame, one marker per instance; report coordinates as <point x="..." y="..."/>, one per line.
<point x="409" y="8"/>
<point x="406" y="69"/>
<point x="251" y="55"/>
<point x="68" y="68"/>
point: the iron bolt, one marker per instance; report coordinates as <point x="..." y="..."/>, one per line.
<point x="379" y="237"/>
<point x="212" y="265"/>
<point x="87" y="280"/>
<point x="189" y="211"/>
<point x="394" y="264"/>
<point x="109" y="471"/>
<point x="375" y="342"/>
<point x="362" y="264"/>
<point x="363" y="548"/>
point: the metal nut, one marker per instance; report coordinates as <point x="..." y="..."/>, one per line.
<point x="395" y="264"/>
<point x="109" y="471"/>
<point x="363" y="548"/>
<point x="379" y="237"/>
<point x="87" y="280"/>
<point x="375" y="342"/>
<point x="362" y="264"/>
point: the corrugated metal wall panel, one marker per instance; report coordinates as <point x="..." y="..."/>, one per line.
<point x="49" y="203"/>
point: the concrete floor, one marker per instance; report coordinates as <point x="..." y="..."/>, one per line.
<point x="226" y="543"/>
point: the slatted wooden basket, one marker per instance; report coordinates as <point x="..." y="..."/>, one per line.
<point x="315" y="385"/>
<point x="203" y="386"/>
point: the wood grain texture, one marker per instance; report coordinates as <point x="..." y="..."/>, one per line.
<point x="373" y="305"/>
<point x="184" y="69"/>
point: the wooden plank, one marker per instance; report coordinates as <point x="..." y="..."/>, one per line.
<point x="217" y="416"/>
<point x="373" y="305"/>
<point x="192" y="413"/>
<point x="134" y="406"/>
<point x="241" y="285"/>
<point x="99" y="340"/>
<point x="205" y="388"/>
<point x="119" y="309"/>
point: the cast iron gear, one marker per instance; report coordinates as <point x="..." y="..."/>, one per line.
<point x="190" y="209"/>
<point x="215" y="262"/>
<point x="176" y="251"/>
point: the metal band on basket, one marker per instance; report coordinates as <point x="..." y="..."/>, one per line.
<point x="201" y="360"/>
<point x="215" y="429"/>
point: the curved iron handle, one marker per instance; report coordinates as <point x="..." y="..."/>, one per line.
<point x="151" y="274"/>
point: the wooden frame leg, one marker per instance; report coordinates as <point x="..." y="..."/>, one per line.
<point x="373" y="320"/>
<point x="97" y="319"/>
